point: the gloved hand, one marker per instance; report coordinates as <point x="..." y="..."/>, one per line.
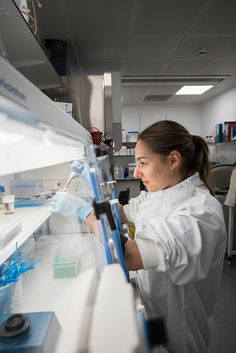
<point x="69" y="205"/>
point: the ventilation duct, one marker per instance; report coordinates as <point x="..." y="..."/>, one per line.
<point x="156" y="97"/>
<point x="174" y="80"/>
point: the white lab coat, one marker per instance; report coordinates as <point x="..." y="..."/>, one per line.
<point x="231" y="195"/>
<point x="181" y="236"/>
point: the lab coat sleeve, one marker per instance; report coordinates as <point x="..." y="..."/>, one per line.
<point x="182" y="245"/>
<point x="131" y="209"/>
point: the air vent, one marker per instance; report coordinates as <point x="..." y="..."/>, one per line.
<point x="181" y="80"/>
<point x="156" y="97"/>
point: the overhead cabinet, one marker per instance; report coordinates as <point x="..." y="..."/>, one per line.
<point x="22" y="48"/>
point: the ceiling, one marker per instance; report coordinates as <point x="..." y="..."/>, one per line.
<point x="148" y="39"/>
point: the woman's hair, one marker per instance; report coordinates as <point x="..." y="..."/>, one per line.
<point x="166" y="136"/>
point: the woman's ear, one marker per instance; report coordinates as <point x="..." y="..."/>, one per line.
<point x="175" y="159"/>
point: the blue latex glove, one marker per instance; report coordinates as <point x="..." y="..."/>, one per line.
<point x="69" y="205"/>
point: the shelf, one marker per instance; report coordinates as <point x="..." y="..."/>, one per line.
<point x="221" y="143"/>
<point x="31" y="219"/>
<point x="129" y="144"/>
<point x="125" y="155"/>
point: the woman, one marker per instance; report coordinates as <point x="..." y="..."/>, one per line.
<point x="180" y="234"/>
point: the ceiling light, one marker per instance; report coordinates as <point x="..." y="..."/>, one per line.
<point x="193" y="89"/>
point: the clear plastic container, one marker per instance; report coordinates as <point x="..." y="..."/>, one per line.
<point x="132" y="136"/>
<point x="6" y="295"/>
<point x="26" y="188"/>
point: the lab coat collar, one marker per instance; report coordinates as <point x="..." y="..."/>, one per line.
<point x="180" y="190"/>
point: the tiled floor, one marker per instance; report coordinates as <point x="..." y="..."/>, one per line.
<point x="224" y="321"/>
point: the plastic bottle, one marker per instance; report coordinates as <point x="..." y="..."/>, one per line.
<point x="116" y="173"/>
<point x="121" y="172"/>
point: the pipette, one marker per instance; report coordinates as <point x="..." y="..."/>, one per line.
<point x="77" y="168"/>
<point x="72" y="176"/>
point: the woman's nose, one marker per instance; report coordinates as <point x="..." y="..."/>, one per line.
<point x="136" y="173"/>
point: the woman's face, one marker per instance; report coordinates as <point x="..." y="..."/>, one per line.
<point x="157" y="172"/>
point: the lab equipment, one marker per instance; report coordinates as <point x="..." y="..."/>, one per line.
<point x="66" y="262"/>
<point x="12" y="270"/>
<point x="78" y="170"/>
<point x="9" y="204"/>
<point x="65" y="143"/>
<point x="26" y="188"/>
<point x="35" y="332"/>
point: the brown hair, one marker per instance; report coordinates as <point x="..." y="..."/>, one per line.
<point x="166" y="136"/>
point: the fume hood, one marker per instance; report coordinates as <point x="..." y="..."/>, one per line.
<point x="95" y="304"/>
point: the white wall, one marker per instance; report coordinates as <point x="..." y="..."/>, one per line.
<point x="218" y="110"/>
<point x="198" y="119"/>
<point x="138" y="117"/>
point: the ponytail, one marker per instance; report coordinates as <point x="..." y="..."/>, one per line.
<point x="201" y="161"/>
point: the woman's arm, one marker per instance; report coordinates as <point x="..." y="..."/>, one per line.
<point x="132" y="255"/>
<point x="133" y="258"/>
<point x="92" y="224"/>
<point x="122" y="214"/>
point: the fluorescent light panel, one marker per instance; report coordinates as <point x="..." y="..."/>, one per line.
<point x="193" y="89"/>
